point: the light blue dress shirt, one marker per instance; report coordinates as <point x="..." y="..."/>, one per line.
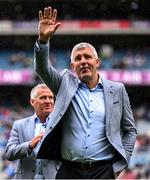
<point x="39" y="127"/>
<point x="84" y="136"/>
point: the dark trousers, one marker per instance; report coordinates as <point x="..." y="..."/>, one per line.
<point x="98" y="172"/>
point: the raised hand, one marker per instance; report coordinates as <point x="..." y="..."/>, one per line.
<point x="47" y="23"/>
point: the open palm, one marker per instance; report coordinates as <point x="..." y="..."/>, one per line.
<point x="47" y="23"/>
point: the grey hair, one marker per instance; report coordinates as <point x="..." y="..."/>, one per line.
<point x="33" y="92"/>
<point x="83" y="45"/>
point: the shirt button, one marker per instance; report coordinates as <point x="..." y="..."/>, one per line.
<point x="88" y="135"/>
<point x="50" y="127"/>
<point x="86" y="147"/>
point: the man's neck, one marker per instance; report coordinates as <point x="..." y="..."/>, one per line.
<point x="42" y="119"/>
<point x="93" y="82"/>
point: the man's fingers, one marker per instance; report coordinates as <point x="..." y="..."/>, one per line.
<point x="37" y="139"/>
<point x="40" y="15"/>
<point x="45" y="9"/>
<point x="54" y="15"/>
<point x="49" y="12"/>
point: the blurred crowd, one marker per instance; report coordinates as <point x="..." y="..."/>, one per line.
<point x="111" y="59"/>
<point x="103" y="9"/>
<point x="7" y="117"/>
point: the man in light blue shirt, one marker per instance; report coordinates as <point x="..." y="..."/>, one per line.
<point x="91" y="128"/>
<point x="87" y="121"/>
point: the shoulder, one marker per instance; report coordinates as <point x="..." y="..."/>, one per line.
<point x="116" y="84"/>
<point x="67" y="72"/>
<point x="113" y="83"/>
<point x="22" y="121"/>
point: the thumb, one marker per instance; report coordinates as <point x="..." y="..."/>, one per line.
<point x="41" y="133"/>
<point x="56" y="26"/>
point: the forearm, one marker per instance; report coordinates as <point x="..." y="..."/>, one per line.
<point x="14" y="151"/>
<point x="43" y="67"/>
<point x="41" y="57"/>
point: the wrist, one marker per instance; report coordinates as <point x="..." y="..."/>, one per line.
<point x="42" y="42"/>
<point x="30" y="149"/>
<point x="43" y="39"/>
<point x="29" y="146"/>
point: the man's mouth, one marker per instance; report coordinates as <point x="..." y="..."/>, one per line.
<point x="84" y="69"/>
<point x="48" y="107"/>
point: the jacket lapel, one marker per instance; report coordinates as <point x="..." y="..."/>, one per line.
<point x="30" y="127"/>
<point x="63" y="100"/>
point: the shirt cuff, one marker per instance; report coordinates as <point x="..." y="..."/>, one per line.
<point x="40" y="46"/>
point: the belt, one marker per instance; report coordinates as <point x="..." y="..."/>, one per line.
<point x="85" y="165"/>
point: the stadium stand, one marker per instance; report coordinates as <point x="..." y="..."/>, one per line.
<point x="121" y="59"/>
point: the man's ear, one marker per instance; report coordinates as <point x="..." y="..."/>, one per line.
<point x="72" y="66"/>
<point x="98" y="63"/>
<point x="31" y="102"/>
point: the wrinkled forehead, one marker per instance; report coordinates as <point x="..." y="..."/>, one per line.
<point x="82" y="51"/>
<point x="83" y="46"/>
<point x="42" y="91"/>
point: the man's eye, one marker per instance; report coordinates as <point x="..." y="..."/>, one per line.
<point x="42" y="98"/>
<point x="87" y="57"/>
<point x="77" y="59"/>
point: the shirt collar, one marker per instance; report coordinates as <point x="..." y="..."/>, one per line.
<point x="37" y="120"/>
<point x="99" y="84"/>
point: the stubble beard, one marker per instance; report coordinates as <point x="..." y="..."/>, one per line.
<point x="85" y="79"/>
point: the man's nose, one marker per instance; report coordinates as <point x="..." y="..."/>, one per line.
<point x="83" y="60"/>
<point x="48" y="99"/>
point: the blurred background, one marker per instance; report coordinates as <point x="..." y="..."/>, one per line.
<point x="120" y="31"/>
